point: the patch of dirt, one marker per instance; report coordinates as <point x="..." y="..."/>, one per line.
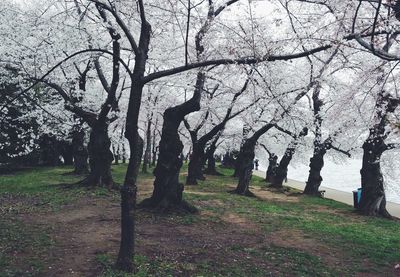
<point x="91" y="227"/>
<point x="241" y="221"/>
<point x="80" y="231"/>
<point x="18" y="203"/>
<point x="297" y="239"/>
<point x="269" y="195"/>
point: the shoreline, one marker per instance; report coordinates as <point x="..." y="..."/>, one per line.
<point x="334" y="194"/>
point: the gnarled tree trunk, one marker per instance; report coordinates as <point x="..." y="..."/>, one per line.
<point x="167" y="193"/>
<point x="282" y="169"/>
<point x="210" y="155"/>
<point x="373" y="199"/>
<point x="314" y="178"/>
<point x="245" y="168"/>
<point x="100" y="157"/>
<point x="245" y="161"/>
<point x="272" y="165"/>
<point x="195" y="169"/>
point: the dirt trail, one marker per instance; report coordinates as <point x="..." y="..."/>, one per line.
<point x="91" y="227"/>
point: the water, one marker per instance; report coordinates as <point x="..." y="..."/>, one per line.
<point x="344" y="177"/>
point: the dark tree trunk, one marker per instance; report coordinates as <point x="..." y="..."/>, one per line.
<point x="49" y="152"/>
<point x="167" y="193"/>
<point x="154" y="147"/>
<point x="238" y="162"/>
<point x="195" y="169"/>
<point x="66" y="153"/>
<point x="229" y="161"/>
<point x="154" y="159"/>
<point x="282" y="169"/>
<point x="80" y="152"/>
<point x="272" y="166"/>
<point x="317" y="160"/>
<point x="314" y="178"/>
<point x="281" y="172"/>
<point x="128" y="199"/>
<point x="245" y="161"/>
<point x="373" y="199"/>
<point x="100" y="157"/>
<point x="123" y="154"/>
<point x="210" y="156"/>
<point x="245" y="168"/>
<point x="211" y="169"/>
<point x="147" y="152"/>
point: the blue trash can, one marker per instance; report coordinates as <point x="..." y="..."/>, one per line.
<point x="357" y="197"/>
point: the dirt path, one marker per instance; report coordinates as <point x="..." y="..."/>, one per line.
<point x="91" y="226"/>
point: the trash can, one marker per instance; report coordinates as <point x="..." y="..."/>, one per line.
<point x="357" y="197"/>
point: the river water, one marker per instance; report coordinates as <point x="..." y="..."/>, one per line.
<point x="343" y="177"/>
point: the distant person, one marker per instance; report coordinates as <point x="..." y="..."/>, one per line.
<point x="256" y="164"/>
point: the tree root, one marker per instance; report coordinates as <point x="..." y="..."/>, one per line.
<point x="89" y="184"/>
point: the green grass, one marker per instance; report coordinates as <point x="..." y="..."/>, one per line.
<point x="32" y="191"/>
<point x="335" y="224"/>
<point x="326" y="222"/>
<point x="30" y="242"/>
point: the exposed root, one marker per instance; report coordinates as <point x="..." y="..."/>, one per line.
<point x="88" y="183"/>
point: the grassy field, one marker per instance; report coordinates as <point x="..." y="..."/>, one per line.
<point x="49" y="229"/>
